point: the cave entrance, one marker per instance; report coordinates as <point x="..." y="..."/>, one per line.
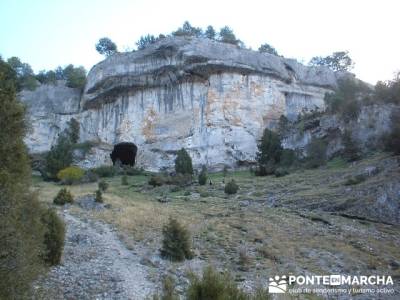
<point x="124" y="153"/>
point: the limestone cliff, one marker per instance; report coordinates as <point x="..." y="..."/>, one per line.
<point x="214" y="99"/>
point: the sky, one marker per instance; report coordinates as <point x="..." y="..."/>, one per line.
<point x="49" y="33"/>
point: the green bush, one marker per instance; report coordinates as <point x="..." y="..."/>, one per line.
<point x="105" y="171"/>
<point x="288" y="158"/>
<point x="392" y="141"/>
<point x="213" y="285"/>
<point x="279" y="172"/>
<point x="64" y="196"/>
<point x="156" y="180"/>
<point x="176" y="241"/>
<point x="231" y="187"/>
<point x="89" y="177"/>
<point x="54" y="237"/>
<point x="316" y="153"/>
<point x="351" y="151"/>
<point x="132" y="171"/>
<point x="124" y="180"/>
<point x="203" y="176"/>
<point x="269" y="152"/>
<point x="99" y="196"/>
<point x="168" y="290"/>
<point x="355" y="179"/>
<point x="70" y="175"/>
<point x="103" y="186"/>
<point x="183" y="163"/>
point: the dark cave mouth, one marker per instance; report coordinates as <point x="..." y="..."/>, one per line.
<point x="124" y="153"/>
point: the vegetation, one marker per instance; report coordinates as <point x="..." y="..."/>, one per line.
<point x="316" y="153"/>
<point x="269" y="152"/>
<point x="338" y="61"/>
<point x="389" y="91"/>
<point x="98" y="196"/>
<point x="267" y="48"/>
<point x="106" y="47"/>
<point x="210" y="33"/>
<point x="75" y="76"/>
<point x="203" y="176"/>
<point x="25" y="78"/>
<point x="226" y="35"/>
<point x="188" y="30"/>
<point x="53" y="238"/>
<point x="22" y="230"/>
<point x="392" y="141"/>
<point x="183" y="163"/>
<point x="124" y="180"/>
<point x="64" y="196"/>
<point x="231" y="187"/>
<point x="147" y="40"/>
<point x="168" y="290"/>
<point x="176" y="244"/>
<point x="103" y="186"/>
<point x="71" y="175"/>
<point x="105" y="171"/>
<point x="351" y="151"/>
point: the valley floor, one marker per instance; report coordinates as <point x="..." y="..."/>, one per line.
<point x="309" y="222"/>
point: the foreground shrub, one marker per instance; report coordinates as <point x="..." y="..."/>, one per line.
<point x="183" y="162"/>
<point x="64" y="196"/>
<point x="98" y="196"/>
<point x="89" y="177"/>
<point x="176" y="241"/>
<point x="132" y="171"/>
<point x="156" y="180"/>
<point x="279" y="172"/>
<point x="231" y="187"/>
<point x="269" y="152"/>
<point x="54" y="237"/>
<point x="356" y="179"/>
<point x="103" y="186"/>
<point x="105" y="171"/>
<point x="70" y="175"/>
<point x="168" y="290"/>
<point x="203" y="176"/>
<point x="213" y="285"/>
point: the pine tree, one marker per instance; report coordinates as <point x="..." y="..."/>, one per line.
<point x="183" y="163"/>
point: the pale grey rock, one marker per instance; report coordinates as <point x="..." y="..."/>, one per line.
<point x="214" y="99"/>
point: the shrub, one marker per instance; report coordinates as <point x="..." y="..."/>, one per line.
<point x="213" y="285"/>
<point x="355" y="179"/>
<point x="156" y="180"/>
<point x="392" y="142"/>
<point x="316" y="152"/>
<point x="63" y="197"/>
<point x="203" y="176"/>
<point x="279" y="172"/>
<point x="103" y="186"/>
<point x="183" y="163"/>
<point x="124" y="180"/>
<point x="132" y="171"/>
<point x="265" y="170"/>
<point x="90" y="176"/>
<point x="351" y="151"/>
<point x="269" y="152"/>
<point x="99" y="196"/>
<point x="105" y="171"/>
<point x="288" y="158"/>
<point x="176" y="241"/>
<point x="168" y="290"/>
<point x="70" y="175"/>
<point x="231" y="187"/>
<point x="54" y="237"/>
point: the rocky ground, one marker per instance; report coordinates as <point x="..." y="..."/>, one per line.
<point x="324" y="221"/>
<point x="95" y="265"/>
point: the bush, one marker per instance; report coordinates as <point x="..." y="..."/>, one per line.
<point x="63" y="197"/>
<point x="231" y="187"/>
<point x="213" y="285"/>
<point x="288" y="158"/>
<point x="279" y="172"/>
<point x="103" y="186"/>
<point x="351" y="152"/>
<point x="203" y="176"/>
<point x="156" y="180"/>
<point x="124" y="180"/>
<point x="99" y="196"/>
<point x="168" y="290"/>
<point x="176" y="241"/>
<point x="269" y="152"/>
<point x="132" y="171"/>
<point x="105" y="171"/>
<point x="355" y="179"/>
<point x="316" y="153"/>
<point x="53" y="238"/>
<point x="265" y="170"/>
<point x="183" y="163"/>
<point x="70" y="175"/>
<point x="89" y="177"/>
<point x="392" y="142"/>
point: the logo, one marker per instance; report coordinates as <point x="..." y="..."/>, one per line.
<point x="277" y="285"/>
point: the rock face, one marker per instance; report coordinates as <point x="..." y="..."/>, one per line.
<point x="214" y="99"/>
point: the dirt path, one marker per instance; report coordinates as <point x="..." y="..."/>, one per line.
<point x="95" y="265"/>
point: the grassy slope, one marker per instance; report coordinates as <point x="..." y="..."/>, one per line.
<point x="272" y="226"/>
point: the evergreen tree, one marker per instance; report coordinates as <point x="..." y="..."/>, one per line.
<point x="21" y="229"/>
<point x="210" y="33"/>
<point x="351" y="151"/>
<point x="266" y="48"/>
<point x="106" y="47"/>
<point x="269" y="148"/>
<point x="203" y="176"/>
<point x="226" y="35"/>
<point x="183" y="163"/>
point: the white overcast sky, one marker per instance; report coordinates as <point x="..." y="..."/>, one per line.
<point x="48" y="33"/>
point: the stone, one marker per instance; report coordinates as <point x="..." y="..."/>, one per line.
<point x="213" y="99"/>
